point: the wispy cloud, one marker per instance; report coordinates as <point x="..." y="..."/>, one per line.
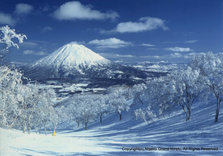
<point x="110" y="43"/>
<point x="6" y="19"/>
<point x="144" y="24"/>
<point x="178" y="49"/>
<point x="23" y="9"/>
<point x="191" y="41"/>
<point x="29" y="44"/>
<point x="115" y="56"/>
<point x="152" y="48"/>
<point x="47" y="28"/>
<point x="75" y="10"/>
<point x="32" y="52"/>
<point x="124" y="56"/>
<point x="176" y="55"/>
<point x="147" y="45"/>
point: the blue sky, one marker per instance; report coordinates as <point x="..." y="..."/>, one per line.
<point x="117" y="29"/>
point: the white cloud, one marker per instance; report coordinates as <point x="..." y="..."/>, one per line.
<point x="116" y="56"/>
<point x="23" y="9"/>
<point x="150" y="57"/>
<point x="47" y="28"/>
<point x="144" y="24"/>
<point x="152" y="48"/>
<point x="156" y="57"/>
<point x="147" y="45"/>
<point x="75" y="10"/>
<point x="191" y="41"/>
<point x="29" y="44"/>
<point x="124" y="56"/>
<point x="41" y="53"/>
<point x="6" y="19"/>
<point x="31" y="52"/>
<point x="176" y="55"/>
<point x="178" y="49"/>
<point x="28" y="52"/>
<point x="110" y="43"/>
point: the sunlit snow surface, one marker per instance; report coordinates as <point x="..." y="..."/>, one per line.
<point x="113" y="136"/>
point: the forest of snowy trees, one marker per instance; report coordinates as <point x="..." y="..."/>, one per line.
<point x="200" y="80"/>
<point x="27" y="106"/>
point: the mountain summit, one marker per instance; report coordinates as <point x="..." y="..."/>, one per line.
<point x="74" y="63"/>
<point x="72" y="56"/>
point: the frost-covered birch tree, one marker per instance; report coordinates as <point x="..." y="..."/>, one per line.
<point x="186" y="88"/>
<point x="120" y="100"/>
<point x="157" y="99"/>
<point x="101" y="103"/>
<point x="82" y="108"/>
<point x="211" y="75"/>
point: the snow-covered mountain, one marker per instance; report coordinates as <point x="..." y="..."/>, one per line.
<point x="72" y="56"/>
<point x="77" y="64"/>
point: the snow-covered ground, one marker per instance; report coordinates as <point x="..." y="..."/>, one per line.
<point x="126" y="137"/>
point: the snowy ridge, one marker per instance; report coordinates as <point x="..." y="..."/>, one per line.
<point x="71" y="56"/>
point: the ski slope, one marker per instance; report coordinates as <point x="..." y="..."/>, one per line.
<point x="126" y="137"/>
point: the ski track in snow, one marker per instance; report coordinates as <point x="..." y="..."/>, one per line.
<point x="113" y="135"/>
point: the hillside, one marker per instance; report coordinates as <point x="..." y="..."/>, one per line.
<point x="126" y="137"/>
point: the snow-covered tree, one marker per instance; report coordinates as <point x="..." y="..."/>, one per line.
<point x="87" y="109"/>
<point x="23" y="106"/>
<point x="10" y="80"/>
<point x="71" y="111"/>
<point x="211" y="70"/>
<point x="10" y="84"/>
<point x="7" y="36"/>
<point x="179" y="88"/>
<point x="141" y="114"/>
<point x="45" y="114"/>
<point x="101" y="103"/>
<point x="36" y="108"/>
<point x="82" y="108"/>
<point x="137" y="91"/>
<point x="156" y="98"/>
<point x="186" y="88"/>
<point x="120" y="100"/>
